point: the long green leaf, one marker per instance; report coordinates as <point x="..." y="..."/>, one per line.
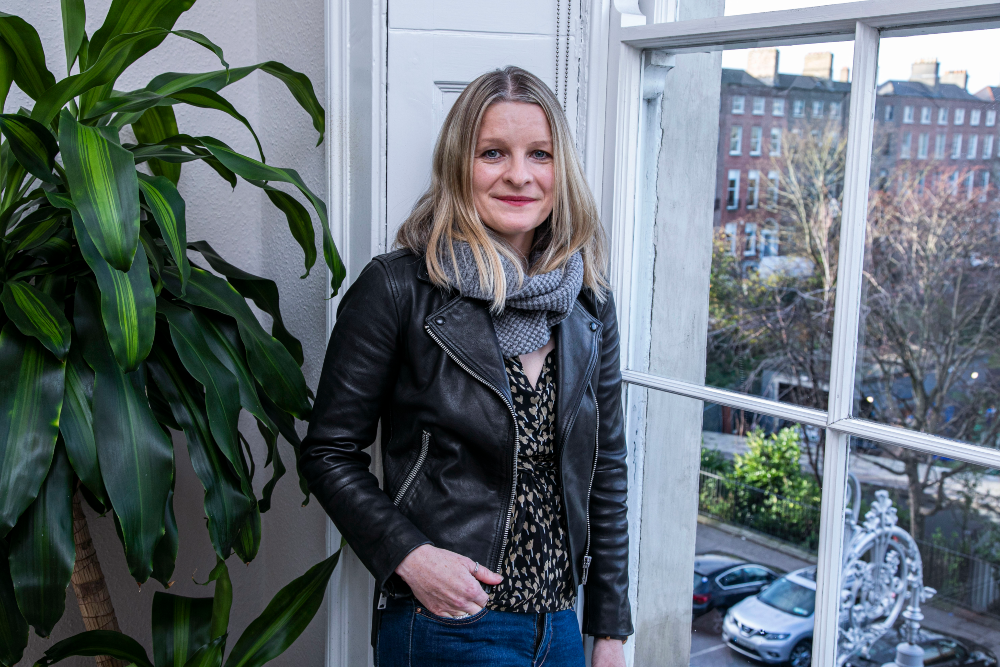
<point x="254" y="172"/>
<point x="284" y="618"/>
<point x="152" y="127"/>
<point x="299" y="223"/>
<point x="167" y="207"/>
<point x="135" y="455"/>
<point x="286" y="427"/>
<point x="126" y="16"/>
<point x="222" y="599"/>
<point x="42" y="551"/>
<point x="105" y="189"/>
<point x="8" y="65"/>
<point x="181" y="626"/>
<point x="247" y="543"/>
<point x="30" y="73"/>
<point x="36" y="314"/>
<point x="77" y="424"/>
<point x="222" y="396"/>
<point x="13" y="627"/>
<point x="263" y="292"/>
<point x="128" y="302"/>
<point x="270" y="362"/>
<point x="97" y="642"/>
<point x="298" y="85"/>
<point x="274" y="459"/>
<point x="74" y="19"/>
<point x="33" y="231"/>
<point x="31" y="395"/>
<point x="165" y="554"/>
<point x="32" y="144"/>
<point x="209" y="655"/>
<point x="226" y="506"/>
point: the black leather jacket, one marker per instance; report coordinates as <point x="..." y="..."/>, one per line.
<point x="426" y="363"/>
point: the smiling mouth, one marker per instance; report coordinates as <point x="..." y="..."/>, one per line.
<point x="517" y="201"/>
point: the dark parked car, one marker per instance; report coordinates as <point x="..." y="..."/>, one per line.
<point x="720" y="581"/>
<point x="940" y="650"/>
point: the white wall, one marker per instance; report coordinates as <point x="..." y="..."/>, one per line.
<point x="247" y="230"/>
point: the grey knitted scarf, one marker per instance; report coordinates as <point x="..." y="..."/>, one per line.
<point x="532" y="308"/>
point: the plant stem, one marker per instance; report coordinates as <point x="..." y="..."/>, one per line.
<point x="89" y="584"/>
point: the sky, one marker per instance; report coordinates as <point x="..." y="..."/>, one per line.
<point x="975" y="51"/>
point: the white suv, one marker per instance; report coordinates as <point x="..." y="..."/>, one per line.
<point x="777" y="625"/>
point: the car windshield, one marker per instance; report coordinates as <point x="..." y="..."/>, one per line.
<point x="789" y="597"/>
<point x="698" y="581"/>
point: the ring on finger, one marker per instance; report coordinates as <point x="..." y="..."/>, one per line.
<point x="477" y="569"/>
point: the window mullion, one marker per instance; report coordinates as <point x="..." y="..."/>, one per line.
<point x="845" y="341"/>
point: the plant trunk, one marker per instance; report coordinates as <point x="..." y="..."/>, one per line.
<point x="89" y="584"/>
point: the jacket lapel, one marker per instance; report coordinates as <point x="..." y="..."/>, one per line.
<point x="464" y="328"/>
<point x="577" y="347"/>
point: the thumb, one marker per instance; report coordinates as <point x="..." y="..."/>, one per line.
<point x="487" y="576"/>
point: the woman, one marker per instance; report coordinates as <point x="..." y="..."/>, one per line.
<point x="487" y="347"/>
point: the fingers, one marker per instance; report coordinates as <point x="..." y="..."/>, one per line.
<point x="487" y="576"/>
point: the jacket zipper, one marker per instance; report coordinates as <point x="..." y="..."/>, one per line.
<point x="517" y="438"/>
<point x="597" y="449"/>
<point x="425" y="444"/>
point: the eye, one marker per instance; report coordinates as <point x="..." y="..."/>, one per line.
<point x="540" y="155"/>
<point x="491" y="154"/>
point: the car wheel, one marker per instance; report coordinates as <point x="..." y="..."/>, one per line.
<point x="801" y="655"/>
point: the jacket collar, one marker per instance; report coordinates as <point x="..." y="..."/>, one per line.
<point x="464" y="328"/>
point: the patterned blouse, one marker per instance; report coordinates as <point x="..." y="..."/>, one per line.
<point x="536" y="568"/>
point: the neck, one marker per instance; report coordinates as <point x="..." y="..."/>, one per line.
<point x="521" y="241"/>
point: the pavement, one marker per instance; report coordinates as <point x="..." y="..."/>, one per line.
<point x="707" y="649"/>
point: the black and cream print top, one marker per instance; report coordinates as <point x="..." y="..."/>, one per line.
<point x="536" y="573"/>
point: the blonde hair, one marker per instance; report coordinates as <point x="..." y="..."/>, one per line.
<point x="446" y="212"/>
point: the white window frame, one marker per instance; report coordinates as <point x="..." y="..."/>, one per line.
<point x="756" y="140"/>
<point x="835" y="108"/>
<point x="905" y="146"/>
<point x="750" y="238"/>
<point x="908" y="114"/>
<point x="773" y="188"/>
<point x="890" y="114"/>
<point x="739" y="105"/>
<point x="959" y="116"/>
<point x="973" y="149"/>
<point x="733" y="186"/>
<point x="974" y="117"/>
<point x="775" y="150"/>
<point x="778" y="107"/>
<point x="925" y="115"/>
<point x="799" y="109"/>
<point x="736" y="140"/>
<point x="943" y="116"/>
<point x="988" y="147"/>
<point x="817" y="109"/>
<point x="759" y="104"/>
<point x="923" y="145"/>
<point x="864" y="22"/>
<point x="956" y="146"/>
<point x="991" y="117"/>
<point x="753" y="189"/>
<point x="940" y="146"/>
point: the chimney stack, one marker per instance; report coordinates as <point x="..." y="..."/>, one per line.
<point x="845" y="74"/>
<point x="762" y="64"/>
<point x="925" y="72"/>
<point x="959" y="77"/>
<point x="819" y="65"/>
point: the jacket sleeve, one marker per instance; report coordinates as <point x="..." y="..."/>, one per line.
<point x="606" y="605"/>
<point x="361" y="365"/>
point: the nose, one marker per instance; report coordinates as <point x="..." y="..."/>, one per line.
<point x="518" y="174"/>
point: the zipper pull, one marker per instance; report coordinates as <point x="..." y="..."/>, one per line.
<point x="586" y="569"/>
<point x="381" y="601"/>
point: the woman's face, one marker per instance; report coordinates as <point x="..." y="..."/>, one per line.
<point x="512" y="173"/>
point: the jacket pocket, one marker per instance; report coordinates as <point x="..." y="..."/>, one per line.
<point x="425" y="445"/>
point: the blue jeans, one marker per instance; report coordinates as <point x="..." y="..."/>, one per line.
<point x="410" y="636"/>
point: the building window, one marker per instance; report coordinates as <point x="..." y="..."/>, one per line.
<point x="753" y="189"/>
<point x="758" y="106"/>
<point x="773" y="180"/>
<point x="750" y="239"/>
<point x="776" y="141"/>
<point x="988" y="147"/>
<point x="799" y="108"/>
<point x="835" y="109"/>
<point x="907" y="114"/>
<point x="756" y="140"/>
<point x="942" y="116"/>
<point x="970" y="183"/>
<point x="959" y="116"/>
<point x="973" y="147"/>
<point x="769" y="240"/>
<point x="739" y="102"/>
<point x="778" y="108"/>
<point x="817" y="110"/>
<point x="733" y="190"/>
<point x="889" y="113"/>
<point x="925" y="115"/>
<point x="939" y="142"/>
<point x="904" y="146"/>
<point x="956" y="147"/>
<point x="731" y="237"/>
<point x="923" y="143"/>
<point x="991" y="118"/>
<point x="953" y="180"/>
<point x="986" y="186"/>
<point x="974" y="116"/>
<point x="736" y="140"/>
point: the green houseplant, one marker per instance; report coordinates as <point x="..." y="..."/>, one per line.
<point x="110" y="335"/>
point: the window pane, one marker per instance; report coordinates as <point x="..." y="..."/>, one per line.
<point x="931" y="313"/>
<point x="758" y="507"/>
<point x="920" y="514"/>
<point x="753" y="6"/>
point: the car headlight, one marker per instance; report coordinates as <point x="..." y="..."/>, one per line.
<point x="776" y="636"/>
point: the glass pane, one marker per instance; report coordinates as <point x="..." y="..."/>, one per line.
<point x="916" y="521"/>
<point x="931" y="330"/>
<point x="753" y="6"/>
<point x="752" y="190"/>
<point x="758" y="528"/>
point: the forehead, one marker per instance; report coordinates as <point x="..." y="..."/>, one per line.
<point x="515" y="120"/>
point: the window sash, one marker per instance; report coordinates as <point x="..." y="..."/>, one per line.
<point x="864" y="22"/>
